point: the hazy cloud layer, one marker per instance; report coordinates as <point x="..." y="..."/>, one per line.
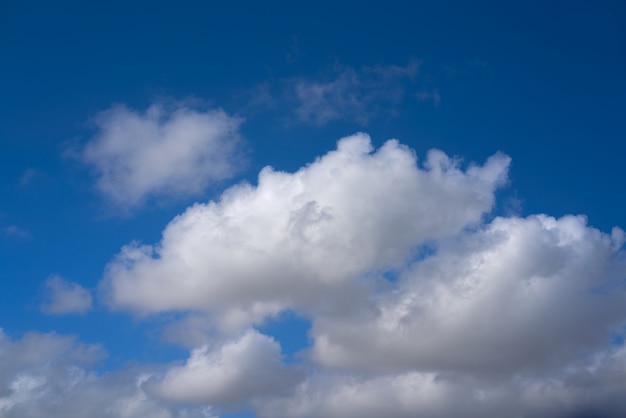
<point x="64" y="297"/>
<point x="16" y="232"/>
<point x="356" y="95"/>
<point x="162" y="152"/>
<point x="429" y="96"/>
<point x="342" y="93"/>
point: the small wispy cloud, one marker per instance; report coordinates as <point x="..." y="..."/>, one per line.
<point x="347" y="93"/>
<point x="65" y="297"/>
<point x="28" y="176"/>
<point x="340" y="93"/>
<point x="16" y="232"/>
<point x="293" y="52"/>
<point x="473" y="67"/>
<point x="429" y="95"/>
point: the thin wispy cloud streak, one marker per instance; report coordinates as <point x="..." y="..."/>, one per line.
<point x="343" y="93"/>
<point x="346" y="93"/>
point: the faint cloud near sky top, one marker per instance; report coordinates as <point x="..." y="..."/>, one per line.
<point x="293" y="51"/>
<point x="432" y="95"/>
<point x="343" y="92"/>
<point x="28" y="176"/>
<point x="473" y="67"/>
<point x="16" y="232"/>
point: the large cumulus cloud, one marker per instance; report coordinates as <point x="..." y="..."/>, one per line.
<point x="301" y="240"/>
<point x="420" y="303"/>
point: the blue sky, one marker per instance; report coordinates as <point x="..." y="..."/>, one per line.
<point x="144" y="246"/>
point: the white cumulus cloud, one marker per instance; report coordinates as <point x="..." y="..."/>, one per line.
<point x="162" y="152"/>
<point x="301" y="240"/>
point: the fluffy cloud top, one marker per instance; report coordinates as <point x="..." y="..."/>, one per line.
<point x="164" y="151"/>
<point x="299" y="240"/>
<point x="63" y="297"/>
<point x="232" y="373"/>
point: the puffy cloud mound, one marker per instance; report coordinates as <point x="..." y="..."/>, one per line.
<point x="232" y="373"/>
<point x="63" y="297"/>
<point x="299" y="240"/>
<point x="163" y="152"/>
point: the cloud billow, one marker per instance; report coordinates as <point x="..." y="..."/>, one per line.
<point x="233" y="373"/>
